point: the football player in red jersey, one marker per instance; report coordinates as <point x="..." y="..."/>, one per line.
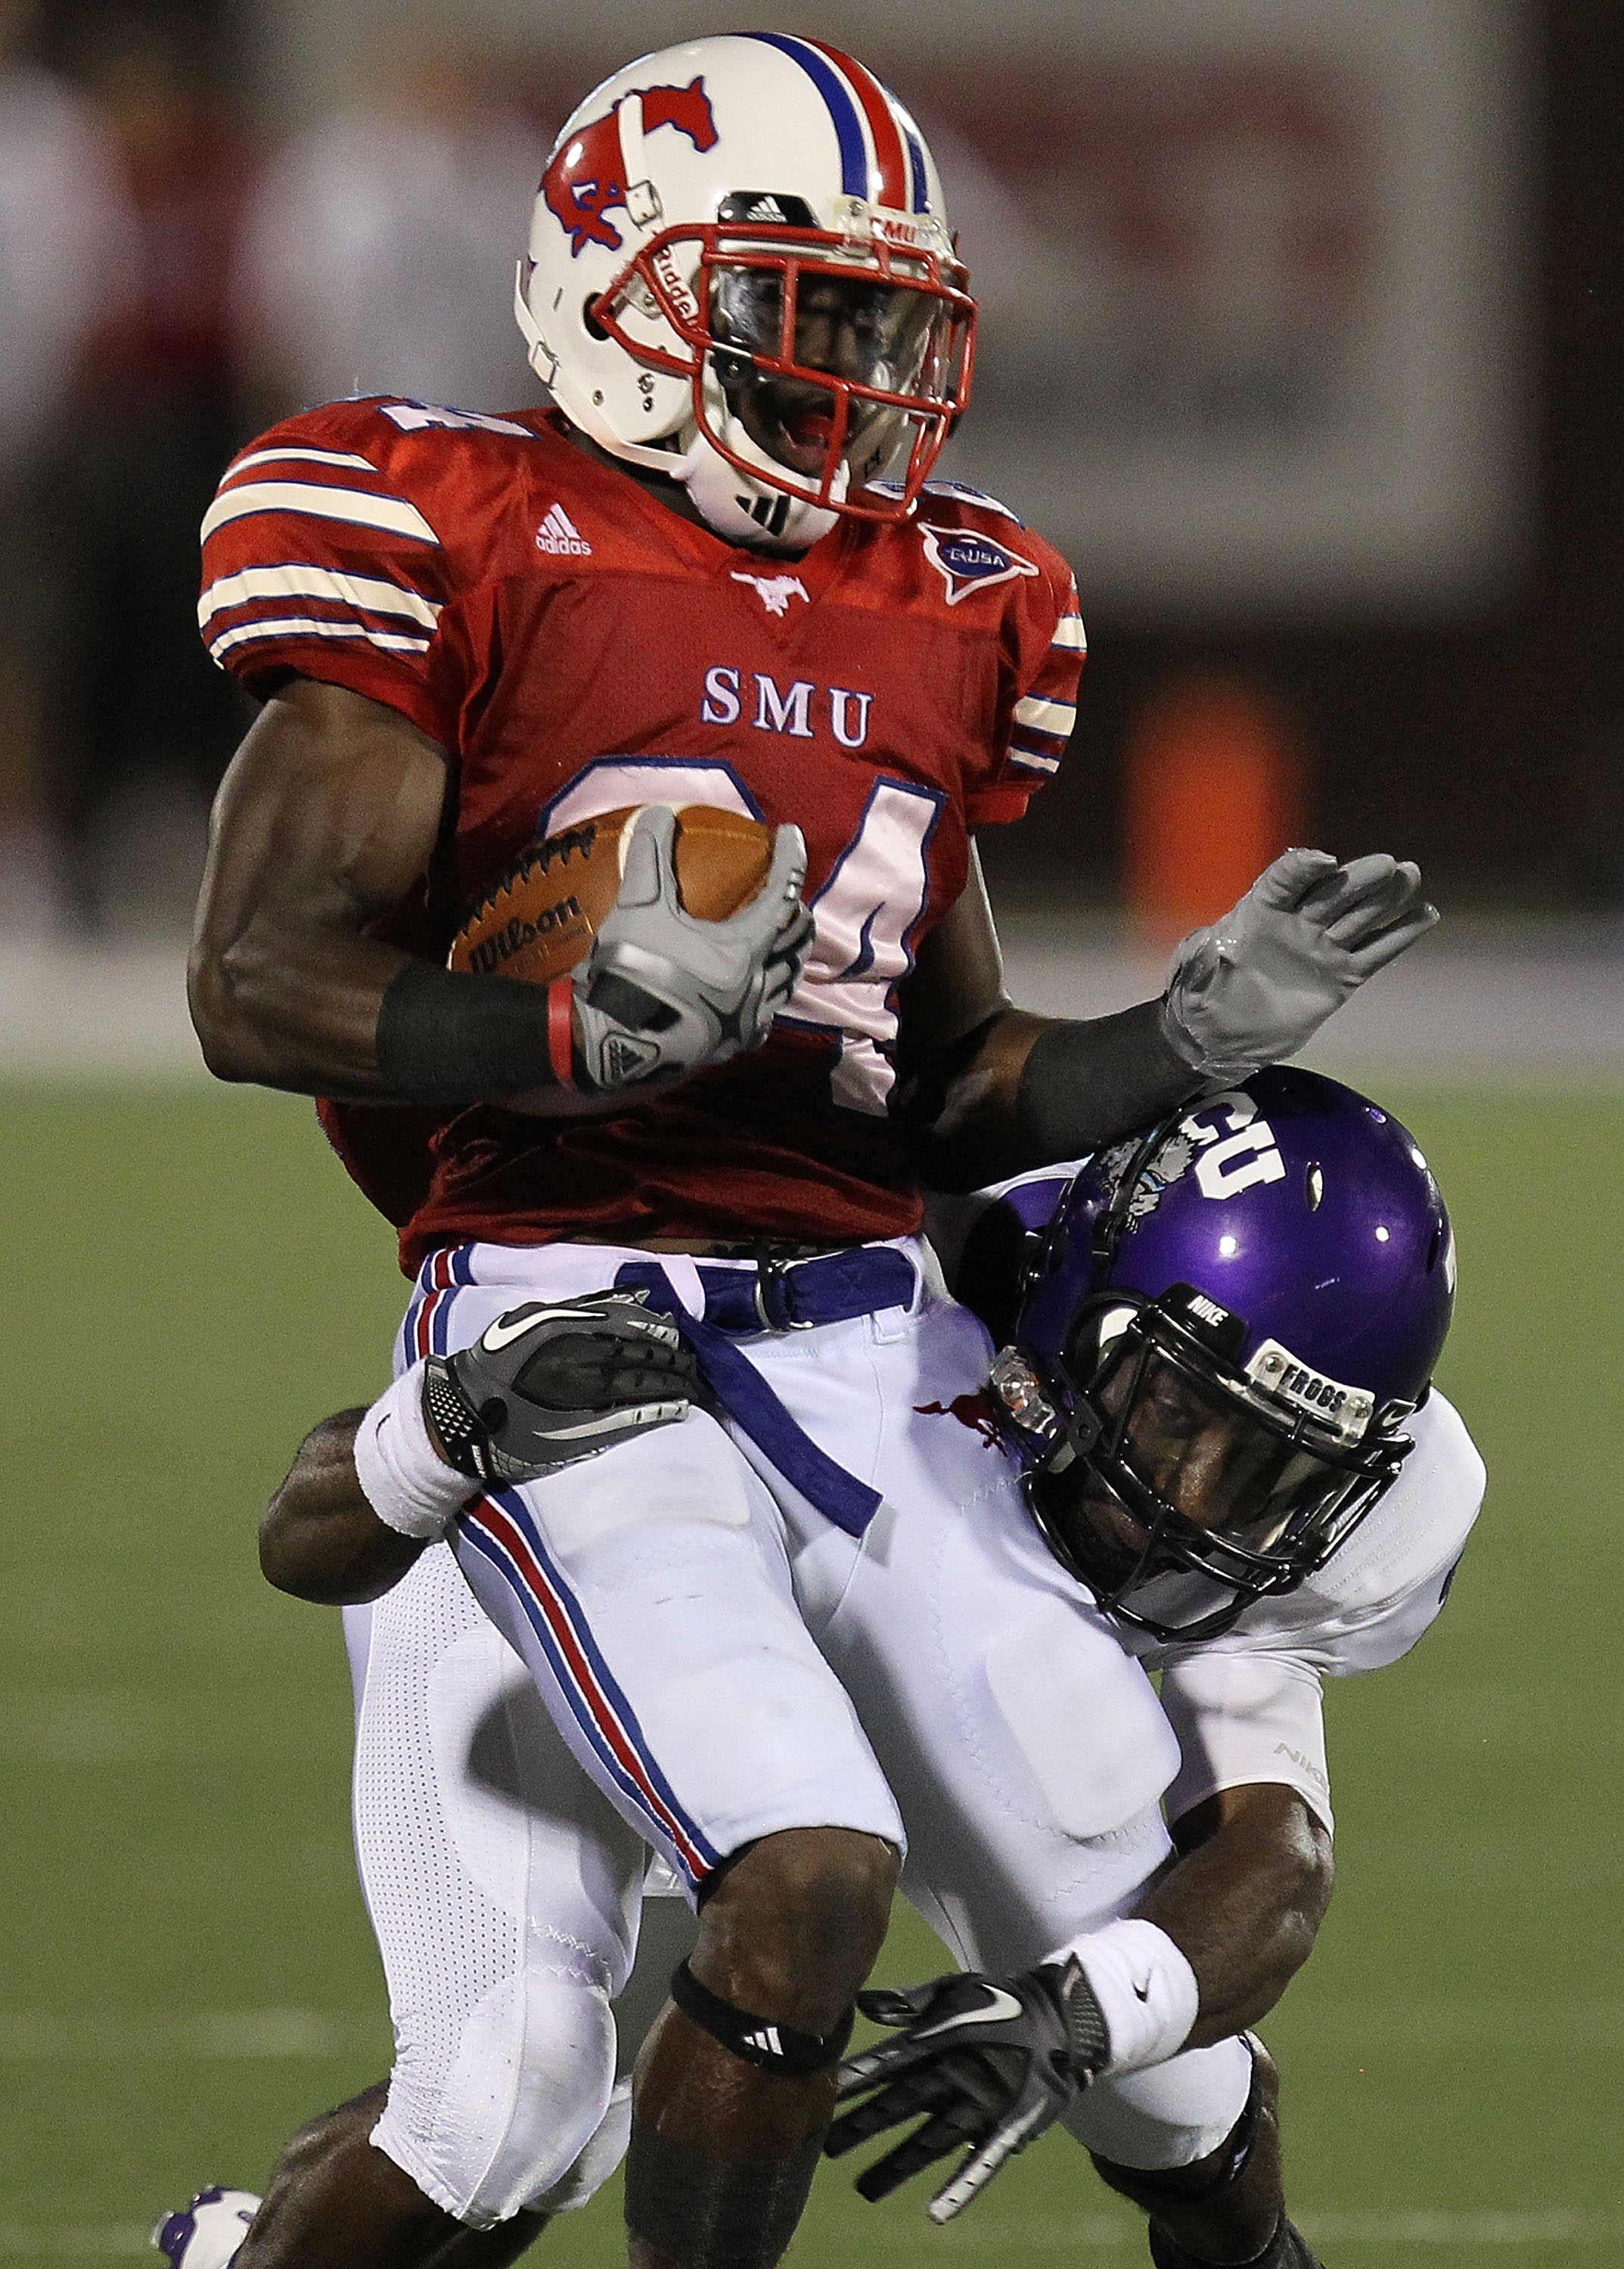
<point x="693" y="581"/>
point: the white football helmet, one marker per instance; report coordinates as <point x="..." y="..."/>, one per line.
<point x="740" y="275"/>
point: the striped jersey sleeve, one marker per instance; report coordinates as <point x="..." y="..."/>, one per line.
<point x="1045" y="648"/>
<point x="317" y="559"/>
<point x="1047" y="710"/>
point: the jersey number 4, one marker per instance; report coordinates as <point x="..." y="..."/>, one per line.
<point x="865" y="915"/>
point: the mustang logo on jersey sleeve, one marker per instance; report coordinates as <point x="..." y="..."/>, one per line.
<point x="586" y="180"/>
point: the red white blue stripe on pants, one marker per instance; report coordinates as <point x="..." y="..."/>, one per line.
<point x="500" y="1529"/>
<point x="426" y="1327"/>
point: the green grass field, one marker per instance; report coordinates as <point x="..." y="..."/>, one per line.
<point x="186" y="1971"/>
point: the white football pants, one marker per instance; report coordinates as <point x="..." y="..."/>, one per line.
<point x="669" y="1600"/>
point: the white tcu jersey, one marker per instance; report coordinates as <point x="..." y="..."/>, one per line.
<point x="1385" y="1585"/>
<point x="1246" y="1706"/>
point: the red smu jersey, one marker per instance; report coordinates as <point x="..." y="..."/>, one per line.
<point x="574" y="645"/>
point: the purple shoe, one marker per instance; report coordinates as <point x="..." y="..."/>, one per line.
<point x="206" y="2233"/>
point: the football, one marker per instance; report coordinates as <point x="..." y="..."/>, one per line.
<point x="538" y="918"/>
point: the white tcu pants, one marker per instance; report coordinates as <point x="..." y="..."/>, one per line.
<point x="669" y="1600"/>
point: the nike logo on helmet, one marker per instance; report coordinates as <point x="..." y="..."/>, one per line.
<point x="1000" y="2007"/>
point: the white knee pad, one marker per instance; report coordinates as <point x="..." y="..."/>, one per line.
<point x="665" y="1938"/>
<point x="525" y="2097"/>
<point x="598" y="2161"/>
<point x="1168" y="2115"/>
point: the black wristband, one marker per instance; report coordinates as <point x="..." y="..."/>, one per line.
<point x="1084" y="1084"/>
<point x="447" y="1037"/>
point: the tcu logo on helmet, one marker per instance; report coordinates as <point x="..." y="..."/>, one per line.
<point x="1244" y="1157"/>
<point x="587" y="179"/>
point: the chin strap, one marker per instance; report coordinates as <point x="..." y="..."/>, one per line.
<point x="746" y="511"/>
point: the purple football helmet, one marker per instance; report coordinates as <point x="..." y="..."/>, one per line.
<point x="1216" y="1340"/>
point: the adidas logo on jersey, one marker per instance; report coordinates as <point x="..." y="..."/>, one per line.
<point x="559" y="535"/>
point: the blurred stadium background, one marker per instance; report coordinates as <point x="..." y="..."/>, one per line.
<point x="1302" y="336"/>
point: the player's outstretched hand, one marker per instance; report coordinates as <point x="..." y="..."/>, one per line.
<point x="1256" y="986"/>
<point x="989" y="2062"/>
<point x="552" y="1382"/>
<point x="661" y="993"/>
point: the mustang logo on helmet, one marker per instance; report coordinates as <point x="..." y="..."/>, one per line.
<point x="586" y="180"/>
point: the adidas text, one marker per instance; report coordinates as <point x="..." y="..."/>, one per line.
<point x="559" y="533"/>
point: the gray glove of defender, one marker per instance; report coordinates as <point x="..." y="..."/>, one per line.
<point x="1257" y="984"/>
<point x="661" y="993"/>
<point x="552" y="1382"/>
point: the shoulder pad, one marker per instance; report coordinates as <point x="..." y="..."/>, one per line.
<point x="944" y="495"/>
<point x="963" y="493"/>
<point x="423" y="416"/>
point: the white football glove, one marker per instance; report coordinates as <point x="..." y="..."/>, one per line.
<point x="1257" y="984"/>
<point x="662" y="992"/>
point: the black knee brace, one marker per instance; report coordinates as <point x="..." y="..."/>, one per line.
<point x="759" y="2040"/>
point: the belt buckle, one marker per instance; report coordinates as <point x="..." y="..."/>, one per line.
<point x="772" y="1294"/>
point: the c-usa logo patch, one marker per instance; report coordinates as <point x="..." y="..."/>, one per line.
<point x="969" y="562"/>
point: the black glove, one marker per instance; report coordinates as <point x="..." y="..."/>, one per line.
<point x="551" y="1382"/>
<point x="992" y="2061"/>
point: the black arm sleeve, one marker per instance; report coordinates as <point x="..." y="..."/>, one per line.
<point x="1085" y="1084"/>
<point x="446" y="1037"/>
<point x="1082" y="1085"/>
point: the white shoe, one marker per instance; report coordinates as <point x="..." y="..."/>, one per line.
<point x="206" y="2234"/>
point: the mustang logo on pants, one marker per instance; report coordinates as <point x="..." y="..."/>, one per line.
<point x="972" y="1410"/>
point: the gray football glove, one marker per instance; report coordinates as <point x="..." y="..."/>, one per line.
<point x="552" y="1382"/>
<point x="1257" y="984"/>
<point x="993" y="2061"/>
<point x="662" y="992"/>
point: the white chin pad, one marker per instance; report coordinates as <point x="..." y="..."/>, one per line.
<point x="746" y="511"/>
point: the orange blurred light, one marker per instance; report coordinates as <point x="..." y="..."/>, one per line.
<point x="1215" y="792"/>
